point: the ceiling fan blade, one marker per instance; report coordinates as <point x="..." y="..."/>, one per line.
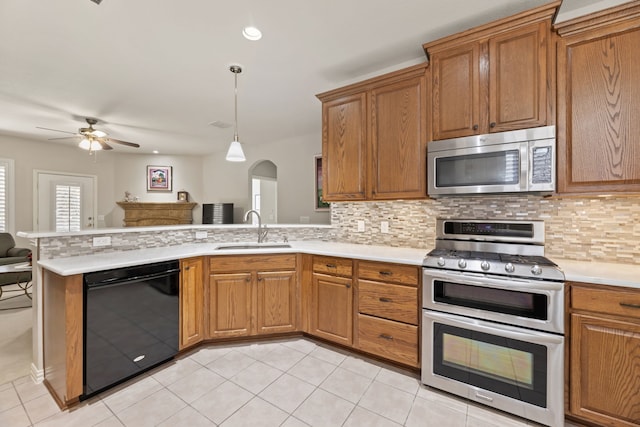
<point x="104" y="145"/>
<point x="56" y="130"/>
<point x="129" y="144"/>
<point x="63" y="137"/>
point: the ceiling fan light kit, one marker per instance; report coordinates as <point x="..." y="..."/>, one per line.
<point x="235" y="153"/>
<point x="90" y="144"/>
<point x="92" y="139"/>
<point x="251" y="33"/>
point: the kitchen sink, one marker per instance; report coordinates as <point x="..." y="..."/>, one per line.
<point x="254" y="246"/>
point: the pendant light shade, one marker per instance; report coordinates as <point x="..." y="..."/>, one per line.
<point x="90" y="144"/>
<point x="235" y="153"/>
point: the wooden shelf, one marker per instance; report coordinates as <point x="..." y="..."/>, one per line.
<point x="154" y="213"/>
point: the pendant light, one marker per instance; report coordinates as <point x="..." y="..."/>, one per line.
<point x="235" y="153"/>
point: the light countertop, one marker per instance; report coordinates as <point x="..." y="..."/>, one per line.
<point x="627" y="275"/>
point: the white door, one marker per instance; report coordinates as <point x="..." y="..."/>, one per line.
<point x="64" y="202"/>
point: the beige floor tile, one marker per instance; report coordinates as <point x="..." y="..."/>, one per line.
<point x="442" y="398"/>
<point x="437" y="415"/>
<point x="206" y="355"/>
<point x="312" y="370"/>
<point x="328" y="355"/>
<point x="294" y="422"/>
<point x="256" y="377"/>
<point x="15" y="340"/>
<point x="346" y="384"/>
<point x="8" y="397"/>
<point x="14" y="417"/>
<point x="231" y="364"/>
<point x="196" y="384"/>
<point x="112" y="421"/>
<point x="41" y="408"/>
<point x="302" y="345"/>
<point x="287" y="392"/>
<point x="282" y="357"/>
<point x="324" y="409"/>
<point x="6" y="386"/>
<point x="360" y="366"/>
<point x="83" y="415"/>
<point x="222" y="401"/>
<point x="258" y="350"/>
<point x="401" y="380"/>
<point x="172" y="372"/>
<point x="256" y="413"/>
<point x="361" y="417"/>
<point x="387" y="401"/>
<point x="28" y="390"/>
<point x="187" y="417"/>
<point x="130" y="392"/>
<point x="152" y="410"/>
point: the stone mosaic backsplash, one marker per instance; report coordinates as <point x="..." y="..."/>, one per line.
<point x="605" y="229"/>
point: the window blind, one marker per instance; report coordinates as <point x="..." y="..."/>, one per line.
<point x="68" y="207"/>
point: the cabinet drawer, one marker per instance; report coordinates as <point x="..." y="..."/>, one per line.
<point x="230" y="263"/>
<point x="333" y="266"/>
<point x="395" y="302"/>
<point x="389" y="339"/>
<point x="606" y="301"/>
<point x="394" y="273"/>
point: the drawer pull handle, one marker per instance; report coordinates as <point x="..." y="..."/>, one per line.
<point x="348" y="285"/>
<point x="386" y="273"/>
<point x="386" y="337"/>
<point x="629" y="305"/>
<point x="383" y="299"/>
<point x="330" y="265"/>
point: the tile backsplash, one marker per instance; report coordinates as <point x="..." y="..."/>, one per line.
<point x="605" y="229"/>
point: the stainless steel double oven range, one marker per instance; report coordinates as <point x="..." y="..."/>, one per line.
<point x="493" y="323"/>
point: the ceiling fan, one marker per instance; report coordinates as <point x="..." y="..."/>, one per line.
<point x="92" y="139"/>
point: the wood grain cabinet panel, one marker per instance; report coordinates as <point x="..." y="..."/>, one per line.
<point x="493" y="78"/>
<point x="191" y="301"/>
<point x="374" y="138"/>
<point x="393" y="302"/>
<point x="598" y="101"/>
<point x="230" y="303"/>
<point x="332" y="308"/>
<point x="393" y="340"/>
<point x="277" y="297"/>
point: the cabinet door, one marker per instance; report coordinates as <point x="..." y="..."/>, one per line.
<point x="191" y="302"/>
<point x="398" y="140"/>
<point x="598" y="101"/>
<point x="604" y="370"/>
<point x="455" y="92"/>
<point x="344" y="127"/>
<point x="332" y="312"/>
<point x="276" y="302"/>
<point x="518" y="78"/>
<point x="230" y="304"/>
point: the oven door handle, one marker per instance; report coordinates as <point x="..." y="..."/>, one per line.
<point x="477" y="279"/>
<point x="506" y="331"/>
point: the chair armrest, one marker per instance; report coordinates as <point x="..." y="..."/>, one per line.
<point x="22" y="252"/>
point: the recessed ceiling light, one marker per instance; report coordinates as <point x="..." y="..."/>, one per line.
<point x="251" y="33"/>
<point x="155" y="151"/>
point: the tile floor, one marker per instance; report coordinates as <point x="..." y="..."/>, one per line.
<point x="289" y="383"/>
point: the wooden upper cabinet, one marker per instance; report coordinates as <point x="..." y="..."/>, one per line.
<point x="344" y="127"/>
<point x="493" y="78"/>
<point x="598" y="102"/>
<point x="374" y="138"/>
<point x="398" y="140"/>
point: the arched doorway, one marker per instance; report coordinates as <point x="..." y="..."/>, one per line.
<point x="263" y="191"/>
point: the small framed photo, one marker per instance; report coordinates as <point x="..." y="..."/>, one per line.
<point x="159" y="178"/>
<point x="320" y="204"/>
<point x="183" y="196"/>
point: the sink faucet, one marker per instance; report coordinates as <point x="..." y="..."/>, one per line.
<point x="262" y="231"/>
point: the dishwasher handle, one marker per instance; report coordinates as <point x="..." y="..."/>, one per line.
<point x="125" y="280"/>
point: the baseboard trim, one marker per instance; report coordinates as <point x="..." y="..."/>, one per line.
<point x="37" y="375"/>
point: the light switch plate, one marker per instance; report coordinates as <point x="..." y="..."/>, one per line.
<point x="102" y="241"/>
<point x="360" y="226"/>
<point x="384" y="227"/>
<point x="201" y="234"/>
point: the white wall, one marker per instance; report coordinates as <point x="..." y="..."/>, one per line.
<point x="230" y="182"/>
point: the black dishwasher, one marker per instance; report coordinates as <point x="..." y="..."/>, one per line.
<point x="130" y="322"/>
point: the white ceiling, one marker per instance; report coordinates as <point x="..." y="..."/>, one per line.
<point x="155" y="72"/>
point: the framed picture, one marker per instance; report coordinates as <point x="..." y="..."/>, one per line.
<point x="320" y="204"/>
<point x="159" y="178"/>
<point x="183" y="196"/>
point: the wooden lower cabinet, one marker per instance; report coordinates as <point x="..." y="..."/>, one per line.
<point x="394" y="340"/>
<point x="604" y="376"/>
<point x="191" y="301"/>
<point x="251" y="294"/>
<point x="332" y="308"/>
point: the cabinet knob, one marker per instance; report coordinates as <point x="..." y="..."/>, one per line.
<point x="348" y="285"/>
<point x="330" y="265"/>
<point x="187" y="268"/>
<point x="475" y="127"/>
<point x="492" y="124"/>
<point x="385" y="273"/>
<point x="248" y="279"/>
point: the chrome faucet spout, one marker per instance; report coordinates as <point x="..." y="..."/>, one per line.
<point x="261" y="234"/>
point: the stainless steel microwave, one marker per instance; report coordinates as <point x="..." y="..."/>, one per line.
<point x="505" y="162"/>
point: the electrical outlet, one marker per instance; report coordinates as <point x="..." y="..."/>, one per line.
<point x="384" y="227"/>
<point x="360" y="226"/>
<point x="201" y="234"/>
<point x="102" y="241"/>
